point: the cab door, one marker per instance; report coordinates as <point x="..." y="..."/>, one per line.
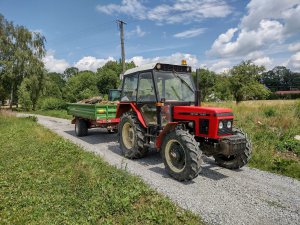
<point x="146" y="97"/>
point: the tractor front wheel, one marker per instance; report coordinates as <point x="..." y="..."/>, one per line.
<point x="239" y="160"/>
<point x="132" y="137"/>
<point x="181" y="155"/>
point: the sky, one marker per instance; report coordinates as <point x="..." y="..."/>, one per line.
<point x="213" y="34"/>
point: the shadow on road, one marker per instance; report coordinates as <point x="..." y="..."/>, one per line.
<point x="153" y="161"/>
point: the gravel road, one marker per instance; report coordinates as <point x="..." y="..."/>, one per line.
<point x="219" y="196"/>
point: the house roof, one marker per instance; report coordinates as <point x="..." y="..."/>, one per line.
<point x="287" y="92"/>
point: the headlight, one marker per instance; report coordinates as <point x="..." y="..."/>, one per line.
<point x="220" y="125"/>
<point x="229" y="124"/>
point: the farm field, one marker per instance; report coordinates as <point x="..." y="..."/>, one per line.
<point x="52" y="181"/>
<point x="272" y="126"/>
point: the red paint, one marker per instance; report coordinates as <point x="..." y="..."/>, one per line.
<point x="126" y="107"/>
<point x="159" y="139"/>
<point x="198" y="112"/>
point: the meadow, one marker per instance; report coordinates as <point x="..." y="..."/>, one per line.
<point x="272" y="126"/>
<point x="45" y="179"/>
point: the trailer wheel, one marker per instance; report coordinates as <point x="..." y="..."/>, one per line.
<point x="81" y="128"/>
<point x="181" y="155"/>
<point x="132" y="137"/>
<point x="236" y="161"/>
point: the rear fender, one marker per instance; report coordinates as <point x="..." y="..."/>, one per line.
<point x="169" y="127"/>
<point x="126" y="107"/>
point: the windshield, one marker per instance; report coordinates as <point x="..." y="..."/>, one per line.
<point x="175" y="86"/>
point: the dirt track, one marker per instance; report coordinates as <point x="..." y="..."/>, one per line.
<point x="218" y="195"/>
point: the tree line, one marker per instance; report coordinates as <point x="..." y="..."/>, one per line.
<point x="25" y="81"/>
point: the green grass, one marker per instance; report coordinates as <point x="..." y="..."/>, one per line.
<point x="54" y="113"/>
<point x="271" y="126"/>
<point x="45" y="179"/>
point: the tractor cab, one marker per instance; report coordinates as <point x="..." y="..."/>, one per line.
<point x="159" y="108"/>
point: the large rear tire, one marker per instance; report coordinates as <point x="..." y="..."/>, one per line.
<point x="181" y="155"/>
<point x="239" y="160"/>
<point x="132" y="137"/>
<point x="81" y="128"/>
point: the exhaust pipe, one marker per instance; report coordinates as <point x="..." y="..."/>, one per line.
<point x="197" y="92"/>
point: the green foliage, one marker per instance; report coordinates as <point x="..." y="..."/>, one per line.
<point x="222" y="88"/>
<point x="69" y="72"/>
<point x="51" y="103"/>
<point x="108" y="76"/>
<point x="207" y="81"/>
<point x="24" y="96"/>
<point x="297" y="109"/>
<point x="244" y="82"/>
<point x="81" y="86"/>
<point x="29" y="92"/>
<point x="53" y="181"/>
<point x="272" y="136"/>
<point x="53" y="85"/>
<point x="281" y="165"/>
<point x="20" y="56"/>
<point x="281" y="79"/>
<point x="270" y="112"/>
<point x="289" y="144"/>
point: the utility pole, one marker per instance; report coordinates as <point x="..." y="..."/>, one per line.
<point x="121" y="27"/>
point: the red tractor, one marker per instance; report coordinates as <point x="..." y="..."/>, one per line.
<point x="160" y="108"/>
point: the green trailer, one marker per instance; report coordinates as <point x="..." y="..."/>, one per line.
<point x="88" y="116"/>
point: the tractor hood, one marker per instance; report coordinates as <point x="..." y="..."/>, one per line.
<point x="179" y="111"/>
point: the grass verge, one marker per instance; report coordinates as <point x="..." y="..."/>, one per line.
<point x="272" y="126"/>
<point x="45" y="179"/>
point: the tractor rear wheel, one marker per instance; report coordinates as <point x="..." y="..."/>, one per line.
<point x="81" y="127"/>
<point x="239" y="160"/>
<point x="181" y="155"/>
<point x="132" y="137"/>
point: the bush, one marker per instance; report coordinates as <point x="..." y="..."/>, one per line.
<point x="297" y="109"/>
<point x="270" y="112"/>
<point x="51" y="103"/>
<point x="289" y="145"/>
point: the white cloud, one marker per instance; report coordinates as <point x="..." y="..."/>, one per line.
<point x="220" y="66"/>
<point x="294" y="62"/>
<point x="136" y="32"/>
<point x="91" y="63"/>
<point x="288" y="10"/>
<point x="190" y="33"/>
<point x="54" y="65"/>
<point x="263" y="61"/>
<point x="267" y="25"/>
<point x="294" y="47"/>
<point x="172" y="59"/>
<point x="177" y="12"/>
<point x="267" y="33"/>
<point x="128" y="7"/>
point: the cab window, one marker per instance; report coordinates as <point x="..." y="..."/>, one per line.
<point x="129" y="88"/>
<point x="146" y="91"/>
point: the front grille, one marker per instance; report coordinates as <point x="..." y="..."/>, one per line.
<point x="204" y="125"/>
<point x="225" y="130"/>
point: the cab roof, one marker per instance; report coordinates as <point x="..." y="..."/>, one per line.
<point x="149" y="66"/>
<point x="162" y="66"/>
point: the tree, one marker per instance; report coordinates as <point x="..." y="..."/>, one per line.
<point x="53" y="85"/>
<point x="244" y="82"/>
<point x="108" y="75"/>
<point x="69" y="72"/>
<point x="207" y="80"/>
<point x="20" y="55"/>
<point x="222" y="88"/>
<point x="281" y="79"/>
<point x="81" y="86"/>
